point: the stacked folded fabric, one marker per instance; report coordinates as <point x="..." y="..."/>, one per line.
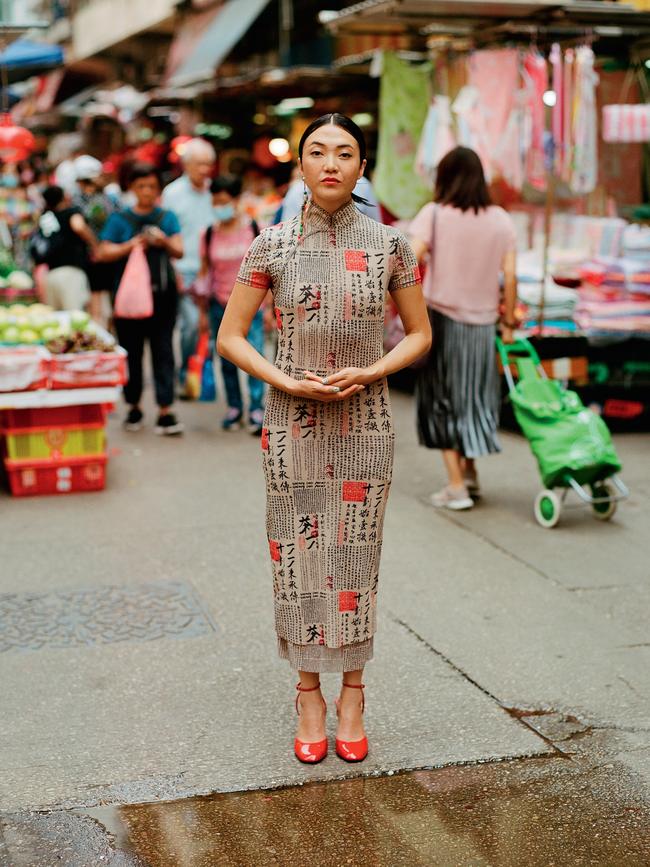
<point x="558" y="306"/>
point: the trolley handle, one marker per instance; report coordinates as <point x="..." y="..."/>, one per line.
<point x="506" y="351"/>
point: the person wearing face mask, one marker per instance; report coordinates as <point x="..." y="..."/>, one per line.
<point x="222" y="247"/>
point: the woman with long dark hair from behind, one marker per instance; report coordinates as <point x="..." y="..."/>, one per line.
<point x="328" y="436"/>
<point x="467" y="243"/>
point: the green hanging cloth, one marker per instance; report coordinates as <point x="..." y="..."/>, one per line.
<point x="404" y="97"/>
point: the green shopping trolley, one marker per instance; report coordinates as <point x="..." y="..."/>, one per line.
<point x="572" y="444"/>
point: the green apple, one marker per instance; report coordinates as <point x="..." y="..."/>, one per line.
<point x="50" y="332"/>
<point x="28" y="335"/>
<point x="79" y="320"/>
<point x="11" y="334"/>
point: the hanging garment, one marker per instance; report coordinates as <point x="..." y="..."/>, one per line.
<point x="567" y="111"/>
<point x="495" y="75"/>
<point x="463" y="107"/>
<point x="584" y="173"/>
<point x="510" y="153"/>
<point x="436" y="141"/>
<point x="557" y="118"/>
<point x="536" y="77"/>
<point x="404" y="97"/>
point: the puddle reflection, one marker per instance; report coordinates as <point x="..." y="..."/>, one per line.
<point x="539" y="814"/>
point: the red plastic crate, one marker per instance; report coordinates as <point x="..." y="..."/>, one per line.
<point x="53" y="417"/>
<point x="66" y="476"/>
<point x="88" y="369"/>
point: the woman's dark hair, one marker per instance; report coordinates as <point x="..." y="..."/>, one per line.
<point x="143" y="170"/>
<point x="460" y="181"/>
<point x="52" y="196"/>
<point x="226" y="184"/>
<point x="345" y="123"/>
<point x="337" y="119"/>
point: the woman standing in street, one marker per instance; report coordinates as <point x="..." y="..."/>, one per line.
<point x="328" y="436"/>
<point x="467" y="242"/>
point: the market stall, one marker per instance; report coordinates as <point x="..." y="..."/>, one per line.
<point x="555" y="102"/>
<point x="60" y="374"/>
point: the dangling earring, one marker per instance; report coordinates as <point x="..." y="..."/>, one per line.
<point x="303" y="210"/>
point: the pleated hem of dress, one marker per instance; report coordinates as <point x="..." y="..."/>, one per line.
<point x="321" y="659"/>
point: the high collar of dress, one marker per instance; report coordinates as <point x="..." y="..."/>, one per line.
<point x="341" y="217"/>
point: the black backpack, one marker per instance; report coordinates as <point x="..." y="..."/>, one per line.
<point x="44" y="245"/>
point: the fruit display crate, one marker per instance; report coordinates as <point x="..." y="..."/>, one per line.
<point x="37" y="442"/>
<point x="88" y="369"/>
<point x="76" y="415"/>
<point x="53" y="442"/>
<point x="56" y="476"/>
<point x="24" y="368"/>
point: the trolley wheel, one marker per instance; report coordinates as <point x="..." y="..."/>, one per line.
<point x="603" y="511"/>
<point x="547" y="508"/>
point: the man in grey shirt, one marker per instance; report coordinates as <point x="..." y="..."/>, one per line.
<point x="190" y="199"/>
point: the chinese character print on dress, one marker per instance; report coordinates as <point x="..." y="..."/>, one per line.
<point x="328" y="466"/>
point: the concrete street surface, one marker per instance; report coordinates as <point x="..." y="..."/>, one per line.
<point x="138" y="666"/>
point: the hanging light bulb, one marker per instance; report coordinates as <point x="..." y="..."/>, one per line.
<point x="16" y="142"/>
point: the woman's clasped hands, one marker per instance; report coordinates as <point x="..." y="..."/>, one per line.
<point x="336" y="386"/>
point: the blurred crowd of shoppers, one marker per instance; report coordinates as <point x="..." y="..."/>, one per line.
<point x="195" y="231"/>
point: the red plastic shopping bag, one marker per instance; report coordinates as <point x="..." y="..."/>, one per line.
<point x="195" y="367"/>
<point x="134" y="299"/>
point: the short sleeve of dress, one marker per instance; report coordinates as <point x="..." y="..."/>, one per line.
<point x="254" y="269"/>
<point x="405" y="270"/>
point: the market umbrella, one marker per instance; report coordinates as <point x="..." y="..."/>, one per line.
<point x="24" y="58"/>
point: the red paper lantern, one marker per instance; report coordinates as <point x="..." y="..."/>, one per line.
<point x="16" y="142"/>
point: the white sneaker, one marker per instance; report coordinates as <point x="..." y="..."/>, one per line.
<point x="456" y="499"/>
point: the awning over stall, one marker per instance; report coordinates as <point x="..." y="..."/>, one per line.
<point x="426" y="17"/>
<point x="202" y="45"/>
<point x="24" y="58"/>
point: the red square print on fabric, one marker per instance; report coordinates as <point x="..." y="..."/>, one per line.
<point x="278" y="318"/>
<point x="265" y="439"/>
<point x="260" y="280"/>
<point x="354" y="492"/>
<point x="275" y="549"/>
<point x="416" y="274"/>
<point x="355" y="260"/>
<point x="348" y="600"/>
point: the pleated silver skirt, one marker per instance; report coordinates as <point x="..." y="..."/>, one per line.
<point x="457" y="390"/>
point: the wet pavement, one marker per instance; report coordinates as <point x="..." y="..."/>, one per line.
<point x="544" y="812"/>
<point x="138" y="673"/>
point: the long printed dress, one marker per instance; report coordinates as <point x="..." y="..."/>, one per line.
<point x="328" y="466"/>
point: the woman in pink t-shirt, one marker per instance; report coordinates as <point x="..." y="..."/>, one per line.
<point x="223" y="246"/>
<point x="467" y="243"/>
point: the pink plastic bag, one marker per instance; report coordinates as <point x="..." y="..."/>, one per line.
<point x="134" y="299"/>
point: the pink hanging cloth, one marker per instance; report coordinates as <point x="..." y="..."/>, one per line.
<point x="536" y="75"/>
<point x="557" y="118"/>
<point x="567" y="151"/>
<point x="494" y="74"/>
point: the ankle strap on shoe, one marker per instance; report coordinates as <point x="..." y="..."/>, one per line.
<point x="360" y="686"/>
<point x="302" y="688"/>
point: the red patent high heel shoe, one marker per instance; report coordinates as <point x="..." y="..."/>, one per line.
<point x="353" y="751"/>
<point x="309" y="753"/>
